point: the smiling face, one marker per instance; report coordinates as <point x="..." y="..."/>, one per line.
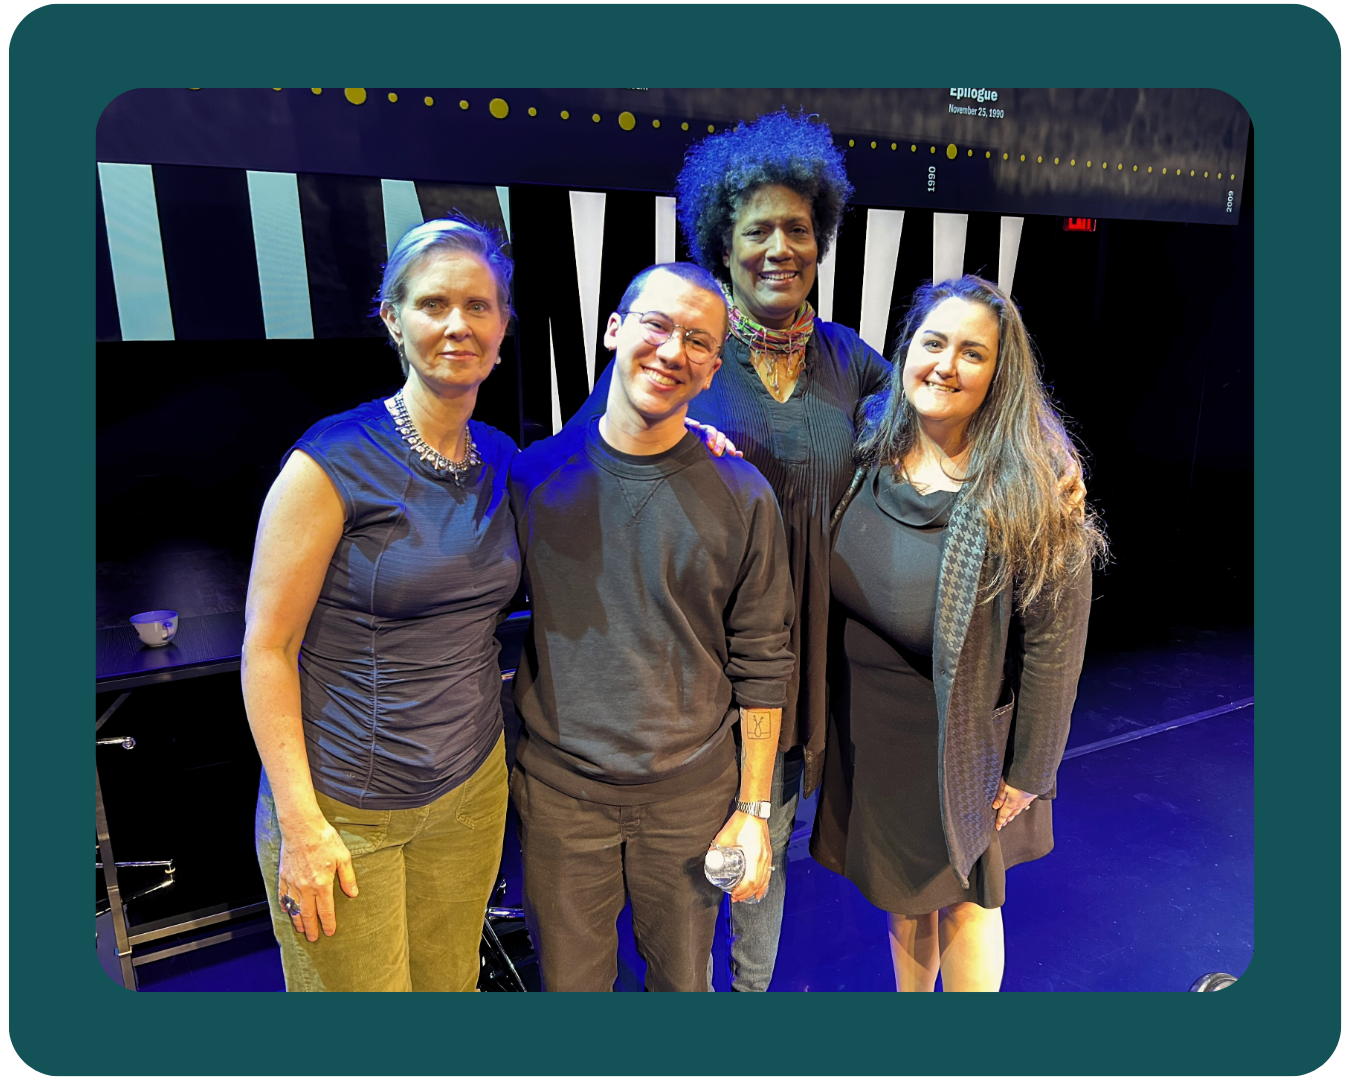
<point x="451" y="322"/>
<point x="773" y="255"/>
<point x="950" y="364"/>
<point x="655" y="383"/>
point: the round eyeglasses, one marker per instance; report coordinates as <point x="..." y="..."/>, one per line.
<point x="657" y="328"/>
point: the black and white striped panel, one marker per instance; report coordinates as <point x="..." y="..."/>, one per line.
<point x="882" y="255"/>
<point x="195" y="253"/>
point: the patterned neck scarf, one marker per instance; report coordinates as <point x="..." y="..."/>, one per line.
<point x="775" y="353"/>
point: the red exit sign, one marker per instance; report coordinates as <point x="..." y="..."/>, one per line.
<point x="1080" y="224"/>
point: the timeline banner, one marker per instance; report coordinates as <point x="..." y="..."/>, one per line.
<point x="1166" y="155"/>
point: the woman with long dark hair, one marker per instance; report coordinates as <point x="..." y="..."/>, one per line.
<point x="961" y="576"/>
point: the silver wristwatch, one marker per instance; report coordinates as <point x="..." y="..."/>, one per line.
<point x="755" y="809"/>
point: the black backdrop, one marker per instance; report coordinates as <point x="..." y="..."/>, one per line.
<point x="1145" y="329"/>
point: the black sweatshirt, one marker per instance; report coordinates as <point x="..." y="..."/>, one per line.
<point x="661" y="602"/>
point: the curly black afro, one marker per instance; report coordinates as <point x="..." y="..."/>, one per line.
<point x="723" y="170"/>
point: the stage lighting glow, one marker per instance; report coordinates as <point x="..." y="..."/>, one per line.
<point x="498" y="108"/>
<point x="355" y="94"/>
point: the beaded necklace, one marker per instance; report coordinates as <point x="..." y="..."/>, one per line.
<point x="774" y="353"/>
<point x="398" y="409"/>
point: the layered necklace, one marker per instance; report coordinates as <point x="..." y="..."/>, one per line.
<point x="775" y="354"/>
<point x="457" y="470"/>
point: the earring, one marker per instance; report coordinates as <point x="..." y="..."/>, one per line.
<point x="498" y="361"/>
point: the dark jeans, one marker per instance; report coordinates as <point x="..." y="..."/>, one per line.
<point x="582" y="859"/>
<point x="755" y="928"/>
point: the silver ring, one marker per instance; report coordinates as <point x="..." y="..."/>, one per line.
<point x="290" y="904"/>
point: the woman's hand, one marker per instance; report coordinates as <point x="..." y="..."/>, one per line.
<point x="310" y="859"/>
<point x="750" y="834"/>
<point x="1009" y="802"/>
<point x="1073" y="489"/>
<point x="716" y="442"/>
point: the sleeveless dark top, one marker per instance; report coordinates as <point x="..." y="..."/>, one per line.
<point x="400" y="689"/>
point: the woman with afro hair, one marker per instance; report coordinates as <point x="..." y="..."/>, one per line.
<point x="759" y="206"/>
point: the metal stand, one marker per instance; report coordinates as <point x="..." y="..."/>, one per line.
<point x="104" y="859"/>
<point x="498" y="970"/>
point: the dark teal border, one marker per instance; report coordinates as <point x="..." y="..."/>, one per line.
<point x="1282" y="63"/>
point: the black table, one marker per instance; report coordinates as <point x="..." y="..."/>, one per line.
<point x="204" y="645"/>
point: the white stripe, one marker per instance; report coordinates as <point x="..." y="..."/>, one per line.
<point x="949" y="246"/>
<point x="137" y="254"/>
<point x="553" y="373"/>
<point x="279" y="242"/>
<point x="825" y="285"/>
<point x="588" y="238"/>
<point x="402" y="211"/>
<point x="665" y="229"/>
<point x="1009" y="240"/>
<point x="879" y="255"/>
<point x="504" y="201"/>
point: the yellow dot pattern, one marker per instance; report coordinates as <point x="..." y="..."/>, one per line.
<point x="500" y="109"/>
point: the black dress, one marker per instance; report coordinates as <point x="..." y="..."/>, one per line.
<point x="883" y="578"/>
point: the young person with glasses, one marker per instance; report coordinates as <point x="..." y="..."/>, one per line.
<point x="661" y="610"/>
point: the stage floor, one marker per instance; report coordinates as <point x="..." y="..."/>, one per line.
<point x="1149" y="887"/>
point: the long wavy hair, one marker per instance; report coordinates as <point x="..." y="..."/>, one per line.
<point x="725" y="169"/>
<point x="1020" y="452"/>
